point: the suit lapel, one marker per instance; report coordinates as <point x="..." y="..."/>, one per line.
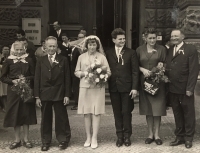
<point x="46" y="62"/>
<point x="113" y="52"/>
<point x="177" y="53"/>
<point x="58" y="59"/>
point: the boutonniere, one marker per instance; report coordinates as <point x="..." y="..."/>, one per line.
<point x="181" y="51"/>
<point x="154" y="51"/>
<point x="120" y="56"/>
<point x="55" y="61"/>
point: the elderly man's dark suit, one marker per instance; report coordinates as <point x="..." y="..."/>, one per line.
<point x="182" y="70"/>
<point x="52" y="84"/>
<point x="124" y="78"/>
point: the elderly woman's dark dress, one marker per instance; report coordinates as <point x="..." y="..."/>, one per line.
<point x="149" y="104"/>
<point x="18" y="113"/>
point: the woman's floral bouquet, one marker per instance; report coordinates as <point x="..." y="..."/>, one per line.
<point x="22" y="88"/>
<point x="96" y="74"/>
<point x="157" y="75"/>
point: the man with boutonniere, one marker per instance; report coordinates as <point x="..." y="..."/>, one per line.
<point x="182" y="69"/>
<point x="52" y="88"/>
<point x="123" y="85"/>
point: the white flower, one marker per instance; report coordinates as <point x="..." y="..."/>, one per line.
<point x="90" y="75"/>
<point x="97" y="80"/>
<point x="105" y="79"/>
<point x="86" y="73"/>
<point x="55" y="61"/>
<point x="97" y="62"/>
<point x="106" y="76"/>
<point x="102" y="76"/>
<point x="99" y="70"/>
<point x="92" y="65"/>
<point x="181" y="50"/>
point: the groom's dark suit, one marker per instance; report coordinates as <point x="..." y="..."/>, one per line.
<point x="124" y="78"/>
<point x="182" y="70"/>
<point x="52" y="84"/>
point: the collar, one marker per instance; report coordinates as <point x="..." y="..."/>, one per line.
<point x="120" y="48"/>
<point x="66" y="45"/>
<point x="58" y="31"/>
<point x="53" y="56"/>
<point x="179" y="46"/>
<point x="18" y="59"/>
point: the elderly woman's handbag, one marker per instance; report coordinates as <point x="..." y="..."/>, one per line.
<point x="150" y="86"/>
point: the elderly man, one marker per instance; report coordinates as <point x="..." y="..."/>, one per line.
<point x="183" y="69"/>
<point x="52" y="89"/>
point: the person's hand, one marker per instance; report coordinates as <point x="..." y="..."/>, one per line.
<point x="38" y="102"/>
<point x="146" y="72"/>
<point x="66" y="101"/>
<point x="83" y="74"/>
<point x="189" y="93"/>
<point x="133" y="94"/>
<point x="15" y="81"/>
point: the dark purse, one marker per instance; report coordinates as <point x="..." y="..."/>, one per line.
<point x="150" y="86"/>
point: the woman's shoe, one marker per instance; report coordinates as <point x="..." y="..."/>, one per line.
<point x="94" y="146"/>
<point x="149" y="141"/>
<point x="158" y="141"/>
<point x="27" y="144"/>
<point x="15" y="145"/>
<point x="86" y="144"/>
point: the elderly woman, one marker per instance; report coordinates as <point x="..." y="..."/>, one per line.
<point x="18" y="113"/>
<point x="153" y="106"/>
<point x="4" y="53"/>
<point x="91" y="96"/>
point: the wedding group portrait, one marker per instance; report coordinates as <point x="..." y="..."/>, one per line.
<point x="99" y="76"/>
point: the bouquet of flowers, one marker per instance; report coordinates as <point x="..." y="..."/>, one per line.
<point x="96" y="74"/>
<point x="157" y="75"/>
<point x="22" y="88"/>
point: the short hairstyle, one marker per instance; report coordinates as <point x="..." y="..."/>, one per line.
<point x="117" y="31"/>
<point x="181" y="31"/>
<point x="22" y="39"/>
<point x="59" y="23"/>
<point x="3" y="47"/>
<point x="64" y="34"/>
<point x="150" y="31"/>
<point x="92" y="40"/>
<point x="18" y="43"/>
<point x="21" y="32"/>
<point x="50" y="37"/>
<point x="83" y="31"/>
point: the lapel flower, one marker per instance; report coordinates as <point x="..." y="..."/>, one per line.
<point x="120" y="56"/>
<point x="154" y="51"/>
<point x="181" y="51"/>
<point x="55" y="61"/>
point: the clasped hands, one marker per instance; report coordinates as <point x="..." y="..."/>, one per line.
<point x="39" y="103"/>
<point x="145" y="72"/>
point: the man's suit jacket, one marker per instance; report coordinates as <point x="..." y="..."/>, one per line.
<point x="66" y="51"/>
<point x="182" y="69"/>
<point x="59" y="38"/>
<point x="124" y="77"/>
<point x="52" y="83"/>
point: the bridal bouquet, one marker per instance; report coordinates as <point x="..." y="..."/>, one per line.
<point x="96" y="74"/>
<point x="157" y="75"/>
<point x="22" y="88"/>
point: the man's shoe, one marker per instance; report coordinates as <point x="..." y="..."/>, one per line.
<point x="119" y="142"/>
<point x="15" y="145"/>
<point x="149" y="141"/>
<point x="74" y="108"/>
<point x="188" y="144"/>
<point x="176" y="142"/>
<point x="127" y="141"/>
<point x="63" y="145"/>
<point x="45" y="147"/>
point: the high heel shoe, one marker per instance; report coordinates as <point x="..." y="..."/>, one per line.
<point x="94" y="146"/>
<point x="87" y="144"/>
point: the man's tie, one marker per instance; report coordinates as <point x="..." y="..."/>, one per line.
<point x="175" y="50"/>
<point x="58" y="33"/>
<point x="50" y="60"/>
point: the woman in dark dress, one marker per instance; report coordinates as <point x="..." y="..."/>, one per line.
<point x="153" y="106"/>
<point x="18" y="113"/>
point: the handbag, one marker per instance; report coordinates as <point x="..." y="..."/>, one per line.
<point x="150" y="86"/>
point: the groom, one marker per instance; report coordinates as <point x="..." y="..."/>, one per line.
<point x="123" y="85"/>
<point x="52" y="89"/>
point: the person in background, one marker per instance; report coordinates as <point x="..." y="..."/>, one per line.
<point x="182" y="69"/>
<point x="4" y="53"/>
<point x="52" y="88"/>
<point x="153" y="106"/>
<point x="65" y="47"/>
<point x="18" y="113"/>
<point x="21" y="34"/>
<point x="91" y="101"/>
<point x="76" y="52"/>
<point x="41" y="51"/>
<point x="123" y="85"/>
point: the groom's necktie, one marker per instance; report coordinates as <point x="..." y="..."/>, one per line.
<point x="175" y="50"/>
<point x="50" y="60"/>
